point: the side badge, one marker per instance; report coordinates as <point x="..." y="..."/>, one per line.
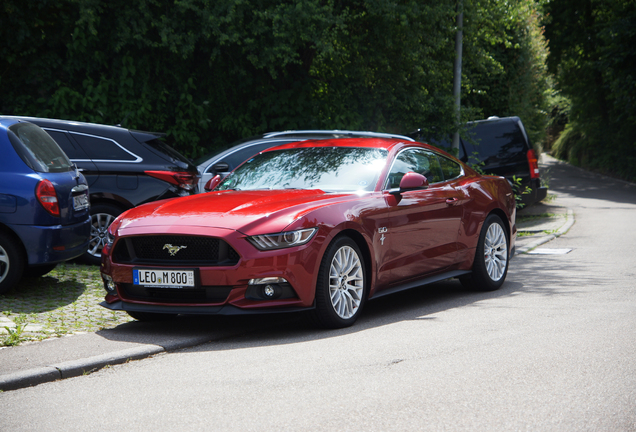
<point x="382" y="230"/>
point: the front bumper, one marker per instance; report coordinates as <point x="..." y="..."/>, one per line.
<point x="197" y="310"/>
<point x="222" y="289"/>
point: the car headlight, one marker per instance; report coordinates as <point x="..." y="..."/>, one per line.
<point x="282" y="240"/>
<point x="112" y="231"/>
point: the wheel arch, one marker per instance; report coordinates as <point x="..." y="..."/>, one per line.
<point x="502" y="215"/>
<point x="4" y="229"/>
<point x="361" y="242"/>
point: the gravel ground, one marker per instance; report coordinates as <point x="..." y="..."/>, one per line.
<point x="64" y="301"/>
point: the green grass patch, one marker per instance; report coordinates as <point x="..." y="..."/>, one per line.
<point x="65" y="301"/>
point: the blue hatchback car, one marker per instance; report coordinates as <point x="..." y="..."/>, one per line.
<point x="44" y="205"/>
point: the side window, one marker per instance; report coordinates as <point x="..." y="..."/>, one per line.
<point x="104" y="149"/>
<point x="62" y="139"/>
<point x="450" y="168"/>
<point x="416" y="160"/>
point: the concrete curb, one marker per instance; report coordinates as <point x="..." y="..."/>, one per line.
<point x="544" y="239"/>
<point x="73" y="368"/>
<point x="69" y="369"/>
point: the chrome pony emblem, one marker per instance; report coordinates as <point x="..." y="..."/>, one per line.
<point x="173" y="249"/>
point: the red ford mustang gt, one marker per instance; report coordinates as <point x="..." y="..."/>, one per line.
<point x="317" y="225"/>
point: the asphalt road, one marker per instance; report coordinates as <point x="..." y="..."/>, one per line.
<point x="554" y="349"/>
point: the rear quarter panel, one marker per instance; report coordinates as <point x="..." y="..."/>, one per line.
<point x="484" y="195"/>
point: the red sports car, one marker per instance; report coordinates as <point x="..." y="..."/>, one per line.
<point x="317" y="225"/>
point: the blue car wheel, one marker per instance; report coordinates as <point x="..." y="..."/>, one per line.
<point x="11" y="263"/>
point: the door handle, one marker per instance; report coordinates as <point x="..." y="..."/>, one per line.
<point x="451" y="201"/>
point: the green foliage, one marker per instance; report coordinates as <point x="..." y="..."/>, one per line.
<point x="209" y="72"/>
<point x="14" y="333"/>
<point x="505" y="71"/>
<point x="519" y="190"/>
<point x="593" y="54"/>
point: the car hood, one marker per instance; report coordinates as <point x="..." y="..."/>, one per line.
<point x="249" y="212"/>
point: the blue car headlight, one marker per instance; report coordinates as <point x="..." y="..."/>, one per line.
<point x="282" y="240"/>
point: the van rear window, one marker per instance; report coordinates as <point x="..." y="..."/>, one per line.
<point x="500" y="142"/>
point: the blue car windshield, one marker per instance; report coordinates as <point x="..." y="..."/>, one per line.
<point x="331" y="169"/>
<point x="37" y="149"/>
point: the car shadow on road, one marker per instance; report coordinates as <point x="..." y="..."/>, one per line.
<point x="535" y="276"/>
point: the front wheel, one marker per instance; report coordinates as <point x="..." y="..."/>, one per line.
<point x="341" y="288"/>
<point x="491" y="258"/>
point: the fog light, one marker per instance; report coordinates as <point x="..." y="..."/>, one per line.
<point x="269" y="291"/>
<point x="109" y="285"/>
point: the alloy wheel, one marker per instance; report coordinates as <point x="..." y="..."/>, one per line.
<point x="495" y="251"/>
<point x="4" y="264"/>
<point x="99" y="230"/>
<point x="346" y="282"/>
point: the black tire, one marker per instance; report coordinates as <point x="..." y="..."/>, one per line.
<point x="348" y="284"/>
<point x="150" y="316"/>
<point x="39" y="270"/>
<point x="12" y="263"/>
<point x="102" y="215"/>
<point x="491" y="257"/>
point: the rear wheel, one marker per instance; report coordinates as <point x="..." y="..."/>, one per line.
<point x="491" y="258"/>
<point x="150" y="316"/>
<point x="341" y="288"/>
<point x="102" y="215"/>
<point x="12" y="263"/>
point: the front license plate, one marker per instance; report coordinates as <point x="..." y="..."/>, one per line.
<point x="80" y="202"/>
<point x="163" y="278"/>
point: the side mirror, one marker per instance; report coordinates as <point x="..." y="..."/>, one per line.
<point x="212" y="183"/>
<point x="413" y="181"/>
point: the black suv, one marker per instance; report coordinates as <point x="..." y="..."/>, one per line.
<point x="123" y="167"/>
<point x="502" y="145"/>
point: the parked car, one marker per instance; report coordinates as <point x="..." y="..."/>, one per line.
<point x="123" y="167"/>
<point x="44" y="204"/>
<point x="318" y="225"/>
<point x="225" y="161"/>
<point x="502" y="145"/>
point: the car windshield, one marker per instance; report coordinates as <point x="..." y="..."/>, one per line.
<point x="326" y="168"/>
<point x="37" y="149"/>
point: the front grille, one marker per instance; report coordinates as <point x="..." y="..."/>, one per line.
<point x="175" y="250"/>
<point x="216" y="294"/>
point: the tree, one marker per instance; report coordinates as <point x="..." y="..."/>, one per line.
<point x="208" y="72"/>
<point x="593" y="54"/>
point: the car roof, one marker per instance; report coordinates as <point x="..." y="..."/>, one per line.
<point x="494" y="119"/>
<point x="6" y="121"/>
<point x="343" y="133"/>
<point x="300" y="135"/>
<point x="367" y="142"/>
<point x="100" y="129"/>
